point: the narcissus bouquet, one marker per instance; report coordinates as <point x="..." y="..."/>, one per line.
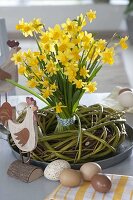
<point x="62" y="70"/>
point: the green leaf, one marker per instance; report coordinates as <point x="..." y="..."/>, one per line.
<point x="76" y="96"/>
<point x="94" y="73"/>
<point x="70" y="90"/>
<point x="27" y="90"/>
<point x="41" y="64"/>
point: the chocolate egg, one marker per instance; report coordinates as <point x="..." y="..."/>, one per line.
<point x="126" y="99"/>
<point x="88" y="170"/>
<point x="70" y="178"/>
<point x="101" y="183"/>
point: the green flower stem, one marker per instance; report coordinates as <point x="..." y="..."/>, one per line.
<point x="37" y="43"/>
<point x="27" y="90"/>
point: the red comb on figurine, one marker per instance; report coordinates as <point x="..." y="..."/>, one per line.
<point x="12" y="43"/>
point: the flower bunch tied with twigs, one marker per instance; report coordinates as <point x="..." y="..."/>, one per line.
<point x="62" y="70"/>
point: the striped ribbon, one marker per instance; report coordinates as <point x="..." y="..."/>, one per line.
<point x="122" y="189"/>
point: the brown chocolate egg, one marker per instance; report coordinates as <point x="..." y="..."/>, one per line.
<point x="70" y="178"/>
<point x="88" y="170"/>
<point x="101" y="183"/>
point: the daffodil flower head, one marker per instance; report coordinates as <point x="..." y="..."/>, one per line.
<point x="123" y="42"/>
<point x="91" y="15"/>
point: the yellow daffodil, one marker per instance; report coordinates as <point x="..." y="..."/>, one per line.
<point x="64" y="57"/>
<point x="87" y="38"/>
<point x="123" y="43"/>
<point x="81" y="21"/>
<point x="56" y="32"/>
<point x="25" y="28"/>
<point x="101" y="44"/>
<point x="20" y="25"/>
<point x="21" y="69"/>
<point x="75" y="53"/>
<point x="17" y="57"/>
<point x="28" y="54"/>
<point x="47" y="92"/>
<point x="58" y="108"/>
<point x="39" y="73"/>
<point x="53" y="87"/>
<point x="71" y="71"/>
<point x="32" y="83"/>
<point x="45" y="37"/>
<point x="46" y="47"/>
<point x="91" y="87"/>
<point x="65" y="44"/>
<point x="91" y="15"/>
<point x="70" y="27"/>
<point x="84" y="72"/>
<point x="45" y="83"/>
<point x="51" y="68"/>
<point x="79" y="83"/>
<point x="42" y="57"/>
<point x="32" y="62"/>
<point x="108" y="56"/>
<point x="37" y="25"/>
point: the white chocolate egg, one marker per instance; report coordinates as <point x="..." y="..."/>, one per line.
<point x="88" y="170"/>
<point x="126" y="99"/>
<point x="20" y="107"/>
<point x="54" y="169"/>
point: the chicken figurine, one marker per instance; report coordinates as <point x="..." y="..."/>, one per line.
<point x="25" y="134"/>
<point x="8" y="69"/>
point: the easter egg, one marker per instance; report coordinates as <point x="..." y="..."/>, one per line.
<point x="124" y="90"/>
<point x="126" y="99"/>
<point x="70" y="178"/>
<point x="101" y="183"/>
<point x="88" y="170"/>
<point x="54" y="169"/>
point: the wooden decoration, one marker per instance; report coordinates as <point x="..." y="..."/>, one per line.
<point x="4" y="75"/>
<point x="25" y="134"/>
<point x="9" y="69"/>
<point x="6" y="113"/>
<point x="24" y="172"/>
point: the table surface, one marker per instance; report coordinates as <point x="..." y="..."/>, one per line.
<point x="13" y="189"/>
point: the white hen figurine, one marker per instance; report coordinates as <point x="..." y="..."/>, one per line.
<point x="25" y="134"/>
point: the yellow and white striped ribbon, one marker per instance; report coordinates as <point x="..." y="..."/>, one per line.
<point x="122" y="189"/>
